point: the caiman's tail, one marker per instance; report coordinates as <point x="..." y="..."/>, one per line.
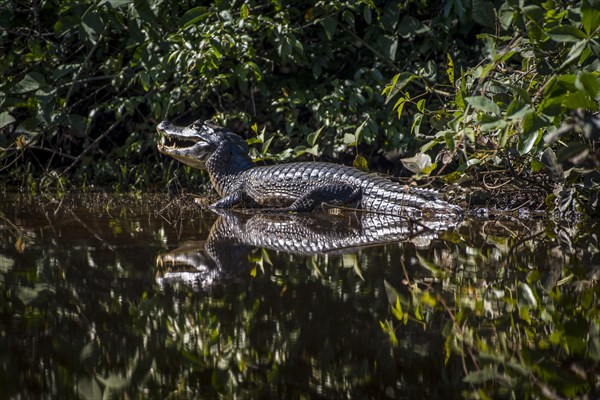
<point x="394" y="199"/>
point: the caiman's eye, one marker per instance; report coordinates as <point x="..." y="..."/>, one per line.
<point x="197" y="125"/>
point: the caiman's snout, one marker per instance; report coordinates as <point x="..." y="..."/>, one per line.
<point x="186" y="144"/>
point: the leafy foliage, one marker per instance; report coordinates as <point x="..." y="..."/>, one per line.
<point x="528" y="327"/>
<point x="86" y="83"/>
<point x="529" y="107"/>
<point x="507" y="89"/>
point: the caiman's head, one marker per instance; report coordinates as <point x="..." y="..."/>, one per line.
<point x="194" y="144"/>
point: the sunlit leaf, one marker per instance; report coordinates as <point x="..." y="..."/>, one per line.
<point x="574" y="53"/>
<point x="505" y="15"/>
<point x="244" y="11"/>
<point x="92" y="25"/>
<point x="416" y="125"/>
<point x="399" y="106"/>
<point x="575" y="100"/>
<point x="566" y="33"/>
<point x="588" y="82"/>
<point x="487" y="374"/>
<point x="389" y="329"/>
<point x="314" y="136"/>
<point x="410" y="26"/>
<point x="527" y="295"/>
<point x="450" y="69"/>
<point x="31" y="82"/>
<point x="350" y="139"/>
<point x="6" y="119"/>
<point x="360" y="163"/>
<point x="193" y="15"/>
<point x="528" y="140"/>
<point x="417" y="163"/>
<point x="20" y="142"/>
<point x="398" y="83"/>
<point x="590" y="16"/>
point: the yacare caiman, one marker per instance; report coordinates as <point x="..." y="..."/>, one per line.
<point x="295" y="186"/>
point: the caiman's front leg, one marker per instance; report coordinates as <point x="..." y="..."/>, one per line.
<point x="229" y="200"/>
<point x="334" y="194"/>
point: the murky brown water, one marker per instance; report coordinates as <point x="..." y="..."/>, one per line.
<point x="136" y="296"/>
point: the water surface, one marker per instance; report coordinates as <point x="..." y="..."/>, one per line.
<point x="146" y="296"/>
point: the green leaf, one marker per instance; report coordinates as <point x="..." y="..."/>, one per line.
<point x="574" y="53"/>
<point x="517" y="110"/>
<point x="88" y="388"/>
<point x="399" y="106"/>
<point x="397" y="310"/>
<point x="566" y="33"/>
<point x="450" y="69"/>
<point x="350" y="139"/>
<point x="483" y="13"/>
<point x="92" y="24"/>
<point x="330" y="25"/>
<point x="590" y="16"/>
<point x="450" y="140"/>
<point x="266" y="144"/>
<point x="410" y="26"/>
<point x="6" y="119"/>
<point x="192" y="16"/>
<point x="505" y="15"/>
<point x="486" y="374"/>
<point x="576" y="100"/>
<point x="313" y="136"/>
<point x="360" y="163"/>
<point x="78" y="124"/>
<point x="531" y="133"/>
<point x="390" y="16"/>
<point x="31" y="82"/>
<point x="483" y="103"/>
<point x="367" y="15"/>
<point x="416" y="125"/>
<point x="524" y="313"/>
<point x="526" y="294"/>
<point x="244" y="11"/>
<point x="551" y="106"/>
<point x="550" y="161"/>
<point x="115" y="3"/>
<point x="488" y="123"/>
<point x="144" y="11"/>
<point x="535" y="165"/>
<point x="587" y="82"/>
<point x="360" y="128"/>
<point x="398" y="83"/>
<point x="417" y="163"/>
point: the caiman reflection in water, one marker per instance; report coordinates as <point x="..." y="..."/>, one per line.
<point x="224" y="254"/>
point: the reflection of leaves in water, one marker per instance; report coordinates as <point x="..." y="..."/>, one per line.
<point x="495" y="308"/>
<point x="20" y="244"/>
<point x="38" y="295"/>
<point x="527" y="331"/>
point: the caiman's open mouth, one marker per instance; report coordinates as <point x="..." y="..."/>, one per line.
<point x="174" y="142"/>
<point x="174" y="137"/>
<point x="186" y="144"/>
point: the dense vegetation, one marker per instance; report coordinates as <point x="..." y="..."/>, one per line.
<point x="501" y="93"/>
